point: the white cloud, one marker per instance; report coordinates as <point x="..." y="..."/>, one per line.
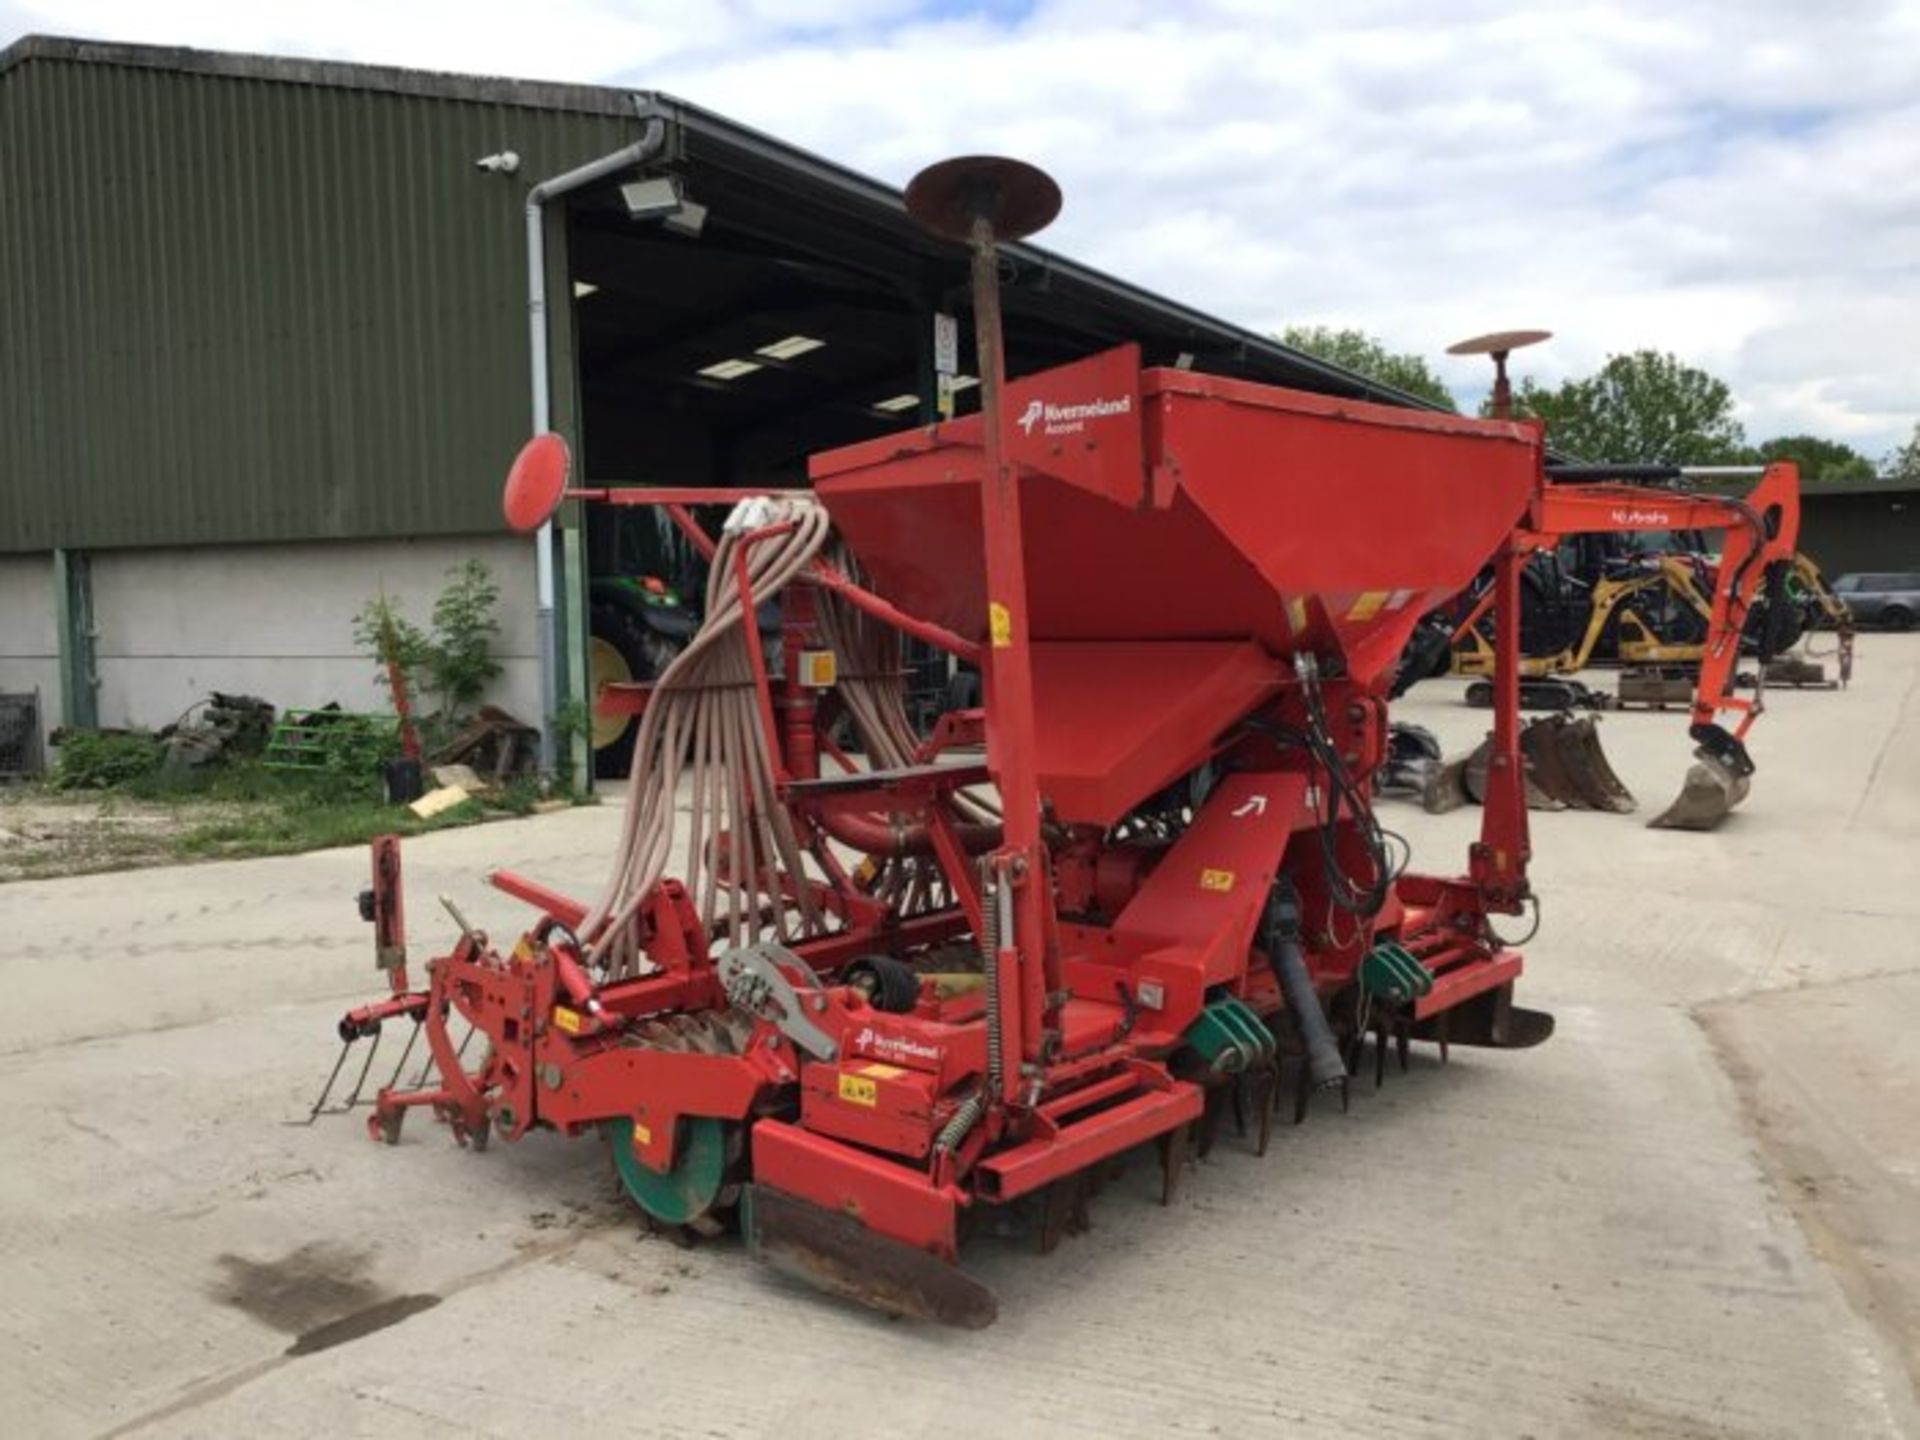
<point x="1738" y="184"/>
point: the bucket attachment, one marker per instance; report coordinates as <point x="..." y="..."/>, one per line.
<point x="1463" y="781"/>
<point x="1711" y="790"/>
<point x="1717" y="781"/>
<point x="1446" y="786"/>
<point x="1564" y="759"/>
<point x="1655" y="689"/>
<point x="1413" y="754"/>
<point x="837" y="1254"/>
<point x="1798" y="672"/>
<point x="1565" y="769"/>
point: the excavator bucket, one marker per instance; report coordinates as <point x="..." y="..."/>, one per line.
<point x="1566" y="769"/>
<point x="1712" y="789"/>
<point x="1446" y="786"/>
<point x="1463" y="781"/>
<point x="1565" y="760"/>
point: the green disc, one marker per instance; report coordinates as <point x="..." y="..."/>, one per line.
<point x="687" y="1191"/>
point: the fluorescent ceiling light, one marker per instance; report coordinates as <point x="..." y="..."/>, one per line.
<point x="896" y="403"/>
<point x="582" y="289"/>
<point x="964" y="382"/>
<point x="729" y="369"/>
<point x="791" y="346"/>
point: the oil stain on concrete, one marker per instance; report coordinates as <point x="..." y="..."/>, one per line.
<point x="320" y="1294"/>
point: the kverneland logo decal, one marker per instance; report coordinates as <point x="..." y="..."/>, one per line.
<point x="1055" y="419"/>
<point x="895" y="1047"/>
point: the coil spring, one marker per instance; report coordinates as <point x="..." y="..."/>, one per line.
<point x="974" y="1106"/>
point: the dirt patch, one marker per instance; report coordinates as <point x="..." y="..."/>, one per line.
<point x="42" y="837"/>
<point x="1829" y="1079"/>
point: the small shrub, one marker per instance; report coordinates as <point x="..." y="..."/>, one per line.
<point x="451" y="664"/>
<point x="460" y="660"/>
<point x="104" y="759"/>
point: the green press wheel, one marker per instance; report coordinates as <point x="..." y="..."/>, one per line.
<point x="686" y="1193"/>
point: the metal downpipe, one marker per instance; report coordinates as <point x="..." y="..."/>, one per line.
<point x="650" y="143"/>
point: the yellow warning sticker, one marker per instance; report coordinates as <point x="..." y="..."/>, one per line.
<point x="1220" y="880"/>
<point x="642" y="1134"/>
<point x="882" y="1072"/>
<point x="999" y="625"/>
<point x="1296" y="614"/>
<point x="567" y="1020"/>
<point x="857" y="1091"/>
<point x="1368" y="605"/>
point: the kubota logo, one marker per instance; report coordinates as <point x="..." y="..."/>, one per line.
<point x="1641" y="517"/>
<point x="1070" y="419"/>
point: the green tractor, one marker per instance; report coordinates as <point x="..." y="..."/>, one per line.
<point x="638" y="623"/>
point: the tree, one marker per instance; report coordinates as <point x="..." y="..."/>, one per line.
<point x="1643" y="408"/>
<point x="1903" y="463"/>
<point x="1821" y="462"/>
<point x="1358" y="351"/>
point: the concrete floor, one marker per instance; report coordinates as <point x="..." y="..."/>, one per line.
<point x="1691" y="1213"/>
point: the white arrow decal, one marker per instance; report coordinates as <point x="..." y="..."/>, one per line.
<point x="1252" y="805"/>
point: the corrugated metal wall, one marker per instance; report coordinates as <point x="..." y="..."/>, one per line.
<point x="247" y="309"/>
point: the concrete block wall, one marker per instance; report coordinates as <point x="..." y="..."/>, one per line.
<point x="29" y="634"/>
<point x="268" y="620"/>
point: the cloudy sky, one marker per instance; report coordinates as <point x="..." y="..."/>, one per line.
<point x="1736" y="182"/>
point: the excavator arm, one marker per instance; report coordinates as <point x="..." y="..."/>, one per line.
<point x="1761" y="529"/>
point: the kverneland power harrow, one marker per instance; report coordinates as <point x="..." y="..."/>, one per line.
<point x="851" y="1004"/>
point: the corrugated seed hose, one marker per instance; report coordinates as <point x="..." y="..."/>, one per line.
<point x="703" y="720"/>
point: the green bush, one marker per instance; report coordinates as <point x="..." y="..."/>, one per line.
<point x="452" y="664"/>
<point x="104" y="759"/>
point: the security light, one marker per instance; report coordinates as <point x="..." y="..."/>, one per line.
<point x="689" y="219"/>
<point x="963" y="382"/>
<point x="894" y="404"/>
<point x="654" y="198"/>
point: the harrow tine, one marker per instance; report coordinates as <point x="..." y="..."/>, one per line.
<point x="1173" y="1156"/>
<point x="1266" y="1091"/>
<point x="360" y="1084"/>
<point x="393" y="1079"/>
<point x="320" y="1104"/>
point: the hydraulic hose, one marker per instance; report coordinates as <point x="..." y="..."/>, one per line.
<point x="1282" y="924"/>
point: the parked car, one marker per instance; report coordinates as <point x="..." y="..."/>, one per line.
<point x="1890" y="600"/>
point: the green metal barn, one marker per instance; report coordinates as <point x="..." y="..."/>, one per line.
<point x="271" y="330"/>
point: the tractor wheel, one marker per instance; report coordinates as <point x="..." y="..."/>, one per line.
<point x="620" y="648"/>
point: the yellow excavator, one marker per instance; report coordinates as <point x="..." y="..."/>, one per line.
<point x="1655" y="610"/>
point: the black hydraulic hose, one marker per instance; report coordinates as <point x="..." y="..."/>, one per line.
<point x="1282" y="924"/>
<point x="1777" y="627"/>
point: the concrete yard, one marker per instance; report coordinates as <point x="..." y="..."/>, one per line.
<point x="1694" y="1212"/>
